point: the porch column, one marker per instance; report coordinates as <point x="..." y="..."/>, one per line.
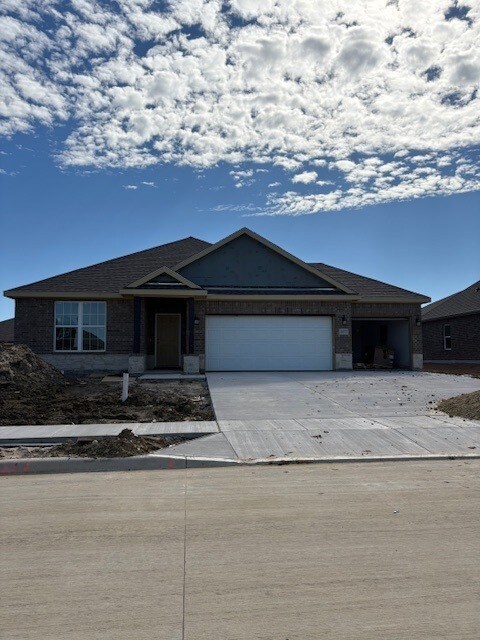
<point x="190" y="361"/>
<point x="190" y="325"/>
<point x="137" y="360"/>
<point x="137" y="323"/>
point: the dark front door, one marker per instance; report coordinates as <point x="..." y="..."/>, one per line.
<point x="167" y="340"/>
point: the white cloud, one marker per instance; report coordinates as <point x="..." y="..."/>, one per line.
<point x="353" y="88"/>
<point x="131" y="187"/>
<point x="305" y="178"/>
<point x="274" y="184"/>
<point x="148" y="184"/>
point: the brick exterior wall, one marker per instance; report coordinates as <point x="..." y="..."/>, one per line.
<point x="34" y="318"/>
<point x="465" y="332"/>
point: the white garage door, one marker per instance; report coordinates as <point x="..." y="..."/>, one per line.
<point x="268" y="343"/>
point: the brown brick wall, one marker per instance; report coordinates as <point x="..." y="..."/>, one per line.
<point x="465" y="331"/>
<point x="34" y="320"/>
<point x="34" y="325"/>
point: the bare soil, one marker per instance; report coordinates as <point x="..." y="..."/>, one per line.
<point x="124" y="445"/>
<point x="465" y="406"/>
<point x="91" y="401"/>
<point x="34" y="392"/>
<point x="454" y="369"/>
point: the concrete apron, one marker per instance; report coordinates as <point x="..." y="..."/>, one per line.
<point x="28" y="466"/>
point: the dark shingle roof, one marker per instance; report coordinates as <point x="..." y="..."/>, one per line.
<point x="365" y="287"/>
<point x="112" y="275"/>
<point x="6" y="330"/>
<point x="458" y="304"/>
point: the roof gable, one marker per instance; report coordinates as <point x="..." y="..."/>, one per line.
<point x="163" y="278"/>
<point x="245" y="260"/>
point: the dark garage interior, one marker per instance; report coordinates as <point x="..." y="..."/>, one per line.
<point x="387" y="334"/>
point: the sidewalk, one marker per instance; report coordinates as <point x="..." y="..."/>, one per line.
<point x="264" y="441"/>
<point x="58" y="433"/>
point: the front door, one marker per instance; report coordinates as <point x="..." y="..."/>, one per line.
<point x="167" y="340"/>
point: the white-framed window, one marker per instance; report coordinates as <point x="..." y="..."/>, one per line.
<point x="80" y="326"/>
<point x="447" y="337"/>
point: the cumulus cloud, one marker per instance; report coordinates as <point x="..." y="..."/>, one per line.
<point x="130" y="187"/>
<point x="305" y="178"/>
<point x="382" y="97"/>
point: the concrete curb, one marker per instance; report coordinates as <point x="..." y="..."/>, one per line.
<point x="28" y="466"/>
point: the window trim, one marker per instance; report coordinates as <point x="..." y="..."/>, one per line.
<point x="79" y="326"/>
<point x="445" y="337"/>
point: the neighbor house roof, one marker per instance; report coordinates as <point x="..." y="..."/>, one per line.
<point x="458" y="304"/>
<point x="7" y="330"/>
<point x="113" y="276"/>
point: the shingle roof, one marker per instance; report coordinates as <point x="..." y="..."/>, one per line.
<point x="112" y="275"/>
<point x="458" y="304"/>
<point x="6" y="330"/>
<point x="366" y="287"/>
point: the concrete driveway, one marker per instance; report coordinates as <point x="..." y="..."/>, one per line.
<point x="265" y="553"/>
<point x="305" y="394"/>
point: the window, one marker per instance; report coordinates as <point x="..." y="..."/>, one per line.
<point x="80" y="326"/>
<point x="447" y="337"/>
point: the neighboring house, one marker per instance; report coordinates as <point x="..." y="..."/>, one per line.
<point x="451" y="327"/>
<point x="6" y="330"/>
<point x="240" y="304"/>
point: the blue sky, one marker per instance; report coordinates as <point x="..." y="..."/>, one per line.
<point x="348" y="133"/>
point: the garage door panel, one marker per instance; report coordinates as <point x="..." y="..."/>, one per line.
<point x="268" y="343"/>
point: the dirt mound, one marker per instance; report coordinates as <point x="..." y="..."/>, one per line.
<point x="21" y="370"/>
<point x="121" y="446"/>
<point x="465" y="406"/>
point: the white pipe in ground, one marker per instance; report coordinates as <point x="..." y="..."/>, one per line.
<point x="125" y="386"/>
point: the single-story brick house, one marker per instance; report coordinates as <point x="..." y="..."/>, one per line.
<point x="242" y="303"/>
<point x="451" y="328"/>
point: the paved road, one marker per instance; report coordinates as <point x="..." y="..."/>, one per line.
<point x="330" y="394"/>
<point x="299" y="552"/>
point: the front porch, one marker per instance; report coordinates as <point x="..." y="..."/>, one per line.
<point x="164" y="337"/>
